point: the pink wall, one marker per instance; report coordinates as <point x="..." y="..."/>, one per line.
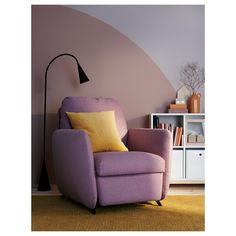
<point x="115" y="66"/>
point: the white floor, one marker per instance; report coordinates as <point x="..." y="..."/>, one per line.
<point x="175" y="189"/>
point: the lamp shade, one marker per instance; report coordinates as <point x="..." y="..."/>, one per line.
<point x="82" y="76"/>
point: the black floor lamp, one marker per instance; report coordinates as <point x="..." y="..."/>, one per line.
<point x="44" y="184"/>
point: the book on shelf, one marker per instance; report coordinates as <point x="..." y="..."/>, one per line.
<point x="177" y="110"/>
<point x="178" y="106"/>
<point x="175" y="136"/>
<point x="155" y="121"/>
<point x="182" y="140"/>
<point x="163" y="126"/>
<point x="170" y="128"/>
<point x="178" y="136"/>
<point x="167" y="126"/>
<point x="180" y="131"/>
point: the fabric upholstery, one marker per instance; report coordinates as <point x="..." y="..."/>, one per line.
<point x="74" y="166"/>
<point x="129" y="188"/>
<point x="142" y="174"/>
<point x="85" y="104"/>
<point x="101" y="129"/>
<point x="157" y="141"/>
<point x="127" y="163"/>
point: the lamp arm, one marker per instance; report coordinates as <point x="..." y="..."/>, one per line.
<point x="45" y="95"/>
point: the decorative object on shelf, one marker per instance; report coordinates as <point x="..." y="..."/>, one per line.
<point x="195" y="132"/>
<point x="44" y="184"/>
<point x="183" y="94"/>
<point x="200" y="138"/>
<point x="192" y="138"/>
<point x="180" y="101"/>
<point x="194" y="103"/>
<point x="193" y="77"/>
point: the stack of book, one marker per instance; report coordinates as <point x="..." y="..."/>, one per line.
<point x="178" y="108"/>
<point x="178" y="136"/>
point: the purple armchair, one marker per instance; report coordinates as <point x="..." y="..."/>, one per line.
<point x="108" y="178"/>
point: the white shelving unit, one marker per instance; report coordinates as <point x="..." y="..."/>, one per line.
<point x="188" y="158"/>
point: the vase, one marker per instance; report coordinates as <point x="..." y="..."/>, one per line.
<point x="194" y="103"/>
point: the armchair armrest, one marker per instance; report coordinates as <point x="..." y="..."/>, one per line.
<point x="74" y="166"/>
<point x="156" y="141"/>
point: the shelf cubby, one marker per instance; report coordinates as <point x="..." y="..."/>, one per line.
<point x="188" y="157"/>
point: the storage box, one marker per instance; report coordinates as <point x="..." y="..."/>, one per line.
<point x="195" y="160"/>
<point x="177" y="170"/>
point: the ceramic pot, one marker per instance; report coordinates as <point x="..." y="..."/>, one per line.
<point x="194" y="103"/>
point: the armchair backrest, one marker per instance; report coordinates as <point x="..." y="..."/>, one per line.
<point x="85" y="104"/>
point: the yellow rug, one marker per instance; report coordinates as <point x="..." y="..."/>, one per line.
<point x="178" y="213"/>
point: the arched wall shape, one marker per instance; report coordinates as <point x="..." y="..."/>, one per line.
<point x="116" y="68"/>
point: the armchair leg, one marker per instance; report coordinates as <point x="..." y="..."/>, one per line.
<point x="93" y="211"/>
<point x="158" y="203"/>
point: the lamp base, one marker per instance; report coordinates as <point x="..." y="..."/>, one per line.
<point x="44" y="184"/>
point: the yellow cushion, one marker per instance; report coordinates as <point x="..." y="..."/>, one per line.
<point x="101" y="128"/>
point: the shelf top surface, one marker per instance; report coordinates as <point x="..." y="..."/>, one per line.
<point x="189" y="147"/>
<point x="179" y="114"/>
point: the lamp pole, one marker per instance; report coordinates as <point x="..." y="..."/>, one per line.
<point x="44" y="184"/>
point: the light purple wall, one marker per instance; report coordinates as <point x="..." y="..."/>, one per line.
<point x="115" y="66"/>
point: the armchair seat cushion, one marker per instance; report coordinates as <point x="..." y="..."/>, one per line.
<point x="127" y="163"/>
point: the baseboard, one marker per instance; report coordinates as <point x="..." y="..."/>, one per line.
<point x="53" y="192"/>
